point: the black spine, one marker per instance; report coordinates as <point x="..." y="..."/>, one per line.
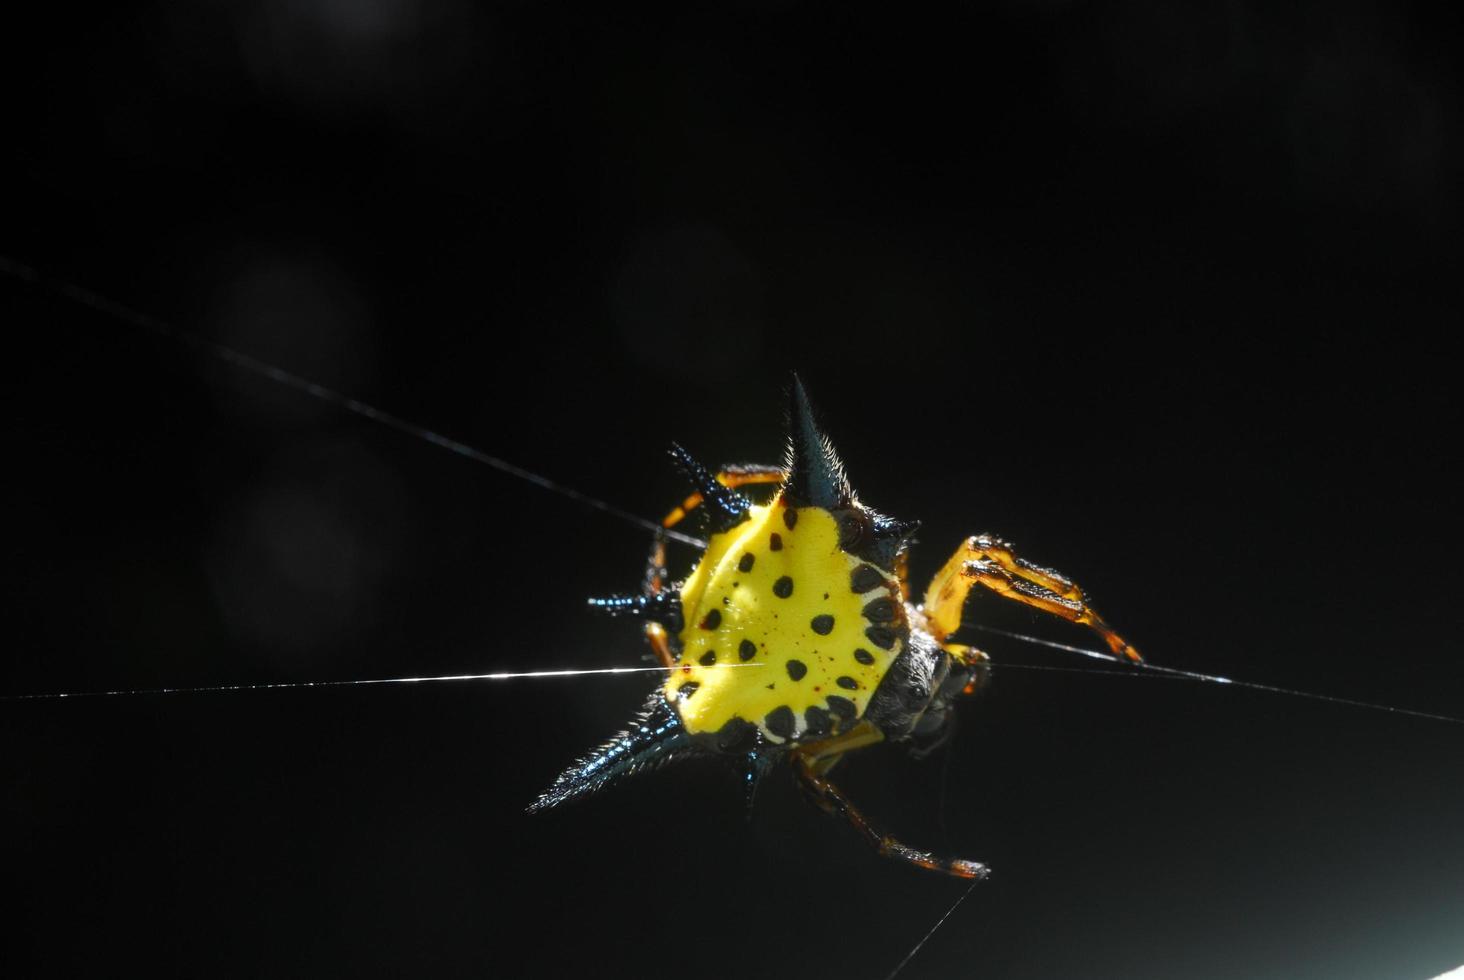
<point x="815" y="472"/>
<point x="725" y="507"/>
<point x="659" y="607"/>
<point x="653" y="739"/>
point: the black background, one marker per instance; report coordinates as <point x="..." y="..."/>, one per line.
<point x="1161" y="292"/>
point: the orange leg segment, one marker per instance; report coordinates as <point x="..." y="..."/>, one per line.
<point x="746" y="475"/>
<point x="991" y="563"/>
<point x="811" y="769"/>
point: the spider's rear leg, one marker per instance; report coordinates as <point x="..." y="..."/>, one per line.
<point x="811" y="763"/>
<point x="990" y="562"/>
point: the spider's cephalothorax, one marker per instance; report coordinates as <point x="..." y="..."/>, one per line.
<point x="794" y="635"/>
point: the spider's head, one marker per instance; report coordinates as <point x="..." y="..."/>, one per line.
<point x="816" y="478"/>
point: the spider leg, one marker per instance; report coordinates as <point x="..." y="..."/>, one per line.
<point x="747" y="474"/>
<point x="812" y="762"/>
<point x="975" y="659"/>
<point x="655" y="574"/>
<point x="990" y="562"/>
<point x="653" y="583"/>
<point x="740" y="475"/>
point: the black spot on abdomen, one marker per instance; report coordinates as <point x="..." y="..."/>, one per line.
<point x="823" y="624"/>
<point x="796" y="669"/>
<point x="783" y="587"/>
<point x="780" y="721"/>
<point x="865" y="578"/>
<point x="737" y="735"/>
<point x="746" y="650"/>
<point x="881" y="610"/>
<point x="881" y="636"/>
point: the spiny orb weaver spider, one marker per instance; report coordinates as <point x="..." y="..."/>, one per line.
<point x="812" y="588"/>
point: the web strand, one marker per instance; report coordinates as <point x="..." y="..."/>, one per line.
<point x="1190" y="675"/>
<point x="227" y="688"/>
<point x="926" y="938"/>
<point x="101" y="304"/>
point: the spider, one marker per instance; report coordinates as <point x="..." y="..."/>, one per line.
<point x="811" y="589"/>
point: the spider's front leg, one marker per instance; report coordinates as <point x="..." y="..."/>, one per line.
<point x="655" y="576"/>
<point x="811" y="763"/>
<point x="732" y="476"/>
<point x="990" y="562"/>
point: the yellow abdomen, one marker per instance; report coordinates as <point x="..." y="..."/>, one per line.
<point x="783" y="628"/>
